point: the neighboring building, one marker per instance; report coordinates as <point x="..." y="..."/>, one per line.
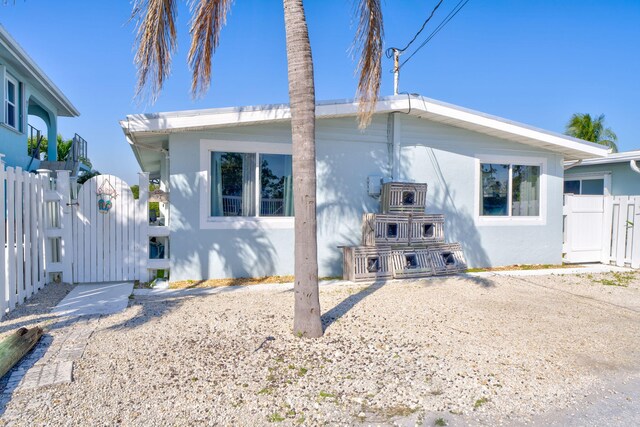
<point x="27" y="91"/>
<point x="499" y="183"/>
<point x="613" y="175"/>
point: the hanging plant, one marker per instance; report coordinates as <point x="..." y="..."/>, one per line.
<point x="106" y="196"/>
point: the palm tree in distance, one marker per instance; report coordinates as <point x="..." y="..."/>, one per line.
<point x="156" y="42"/>
<point x="585" y="127"/>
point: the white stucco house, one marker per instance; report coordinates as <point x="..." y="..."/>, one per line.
<point x="228" y="174"/>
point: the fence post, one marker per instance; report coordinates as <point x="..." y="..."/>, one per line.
<point x="607" y="229"/>
<point x="635" y="239"/>
<point x="142" y="224"/>
<point x="40" y="214"/>
<point x="10" y="284"/>
<point x="3" y="259"/>
<point x="64" y="190"/>
<point x="622" y="230"/>
<point x="19" y="215"/>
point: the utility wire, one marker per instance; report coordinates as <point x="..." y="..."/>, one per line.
<point x="389" y="51"/>
<point x="444" y="22"/>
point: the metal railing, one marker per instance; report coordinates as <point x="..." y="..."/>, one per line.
<point x="232" y="206"/>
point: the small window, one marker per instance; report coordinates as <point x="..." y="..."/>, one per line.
<point x="572" y="187"/>
<point x="593" y="187"/>
<point x="232" y="184"/>
<point x="585" y="186"/>
<point x="509" y="190"/>
<point x="235" y="190"/>
<point x="276" y="185"/>
<point x="11" y="102"/>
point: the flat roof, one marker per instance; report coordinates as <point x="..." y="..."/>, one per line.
<point x="19" y="59"/>
<point x="155" y="125"/>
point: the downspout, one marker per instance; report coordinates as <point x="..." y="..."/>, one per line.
<point x="573" y="165"/>
<point x="634" y="166"/>
<point x="393" y="135"/>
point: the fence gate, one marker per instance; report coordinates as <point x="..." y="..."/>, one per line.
<point x="106" y="239"/>
<point x="602" y="229"/>
<point x="583" y="228"/>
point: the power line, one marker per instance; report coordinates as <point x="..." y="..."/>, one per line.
<point x="444" y="22"/>
<point x="389" y="52"/>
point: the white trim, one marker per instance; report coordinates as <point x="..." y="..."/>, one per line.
<point x="8" y="78"/>
<point x="247" y="222"/>
<point x="510" y="220"/>
<point x="244" y="222"/>
<point x="622" y="157"/>
<point x="200" y="120"/>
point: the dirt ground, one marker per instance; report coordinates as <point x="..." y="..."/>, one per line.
<point x="470" y="350"/>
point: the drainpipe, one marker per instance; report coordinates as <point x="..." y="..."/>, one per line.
<point x="393" y="133"/>
<point x="573" y="165"/>
<point x="634" y="166"/>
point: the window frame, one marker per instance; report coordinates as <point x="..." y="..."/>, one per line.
<point x="16" y="105"/>
<point x="510" y="220"/>
<point x="207" y="146"/>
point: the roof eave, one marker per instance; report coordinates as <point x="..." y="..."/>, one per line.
<point x="65" y="107"/>
<point x="570" y="148"/>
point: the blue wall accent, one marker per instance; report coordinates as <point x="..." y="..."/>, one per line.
<point x="13" y="143"/>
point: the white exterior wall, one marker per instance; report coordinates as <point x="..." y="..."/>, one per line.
<point x="346" y="157"/>
<point x="445" y="158"/>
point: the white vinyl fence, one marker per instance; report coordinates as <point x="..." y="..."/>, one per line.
<point x="49" y="237"/>
<point x="23" y="215"/>
<point x="602" y="229"/>
<point x="622" y="231"/>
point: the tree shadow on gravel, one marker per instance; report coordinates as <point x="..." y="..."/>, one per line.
<point x="149" y="308"/>
<point x="478" y="280"/>
<point x="36" y="310"/>
<point x="348" y="303"/>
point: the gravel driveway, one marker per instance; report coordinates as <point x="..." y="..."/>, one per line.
<point x="471" y="350"/>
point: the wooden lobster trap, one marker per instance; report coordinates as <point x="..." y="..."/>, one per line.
<point x="426" y="229"/>
<point x="401" y="197"/>
<point x="402" y="229"/>
<point x="366" y="263"/>
<point x="389" y="229"/>
<point x="411" y="263"/>
<point x="447" y="258"/>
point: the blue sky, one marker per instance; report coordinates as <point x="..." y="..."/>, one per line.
<point x="534" y="62"/>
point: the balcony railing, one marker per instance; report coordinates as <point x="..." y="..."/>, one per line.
<point x="232" y="206"/>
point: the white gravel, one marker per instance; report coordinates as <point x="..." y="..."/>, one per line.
<point x="471" y="350"/>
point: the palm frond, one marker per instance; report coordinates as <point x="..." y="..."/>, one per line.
<point x="156" y="41"/>
<point x="209" y="16"/>
<point x="368" y="42"/>
<point x="587" y="128"/>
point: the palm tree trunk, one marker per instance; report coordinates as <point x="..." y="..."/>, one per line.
<point x="302" y="100"/>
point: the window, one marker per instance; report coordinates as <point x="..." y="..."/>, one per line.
<point x="585" y="186"/>
<point x="11" y="116"/>
<point x="251" y="184"/>
<point x="509" y="190"/>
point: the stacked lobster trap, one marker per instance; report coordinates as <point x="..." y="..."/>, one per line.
<point x="402" y="241"/>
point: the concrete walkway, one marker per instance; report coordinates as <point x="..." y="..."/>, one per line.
<point x="95" y="299"/>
